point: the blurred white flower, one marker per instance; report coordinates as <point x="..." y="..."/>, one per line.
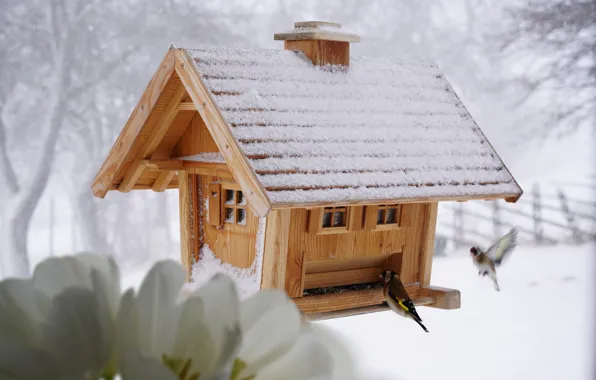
<point x="71" y="320"/>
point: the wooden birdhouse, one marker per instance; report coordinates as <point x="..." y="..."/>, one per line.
<point x="306" y="169"/>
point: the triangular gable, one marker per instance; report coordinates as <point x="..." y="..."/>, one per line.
<point x="151" y="135"/>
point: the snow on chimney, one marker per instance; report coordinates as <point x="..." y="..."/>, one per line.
<point x="322" y="42"/>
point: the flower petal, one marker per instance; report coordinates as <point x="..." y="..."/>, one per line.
<point x="108" y="276"/>
<point x="157" y="310"/>
<point x="311" y="357"/>
<point x="193" y="339"/>
<point x="55" y="274"/>
<point x="137" y="367"/>
<point x="221" y="316"/>
<point x="271" y="324"/>
<point x="127" y="333"/>
<point x="19" y="361"/>
<point x="20" y="314"/>
<point x="74" y="333"/>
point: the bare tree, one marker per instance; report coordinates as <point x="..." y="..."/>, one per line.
<point x="557" y="39"/>
<point x="64" y="69"/>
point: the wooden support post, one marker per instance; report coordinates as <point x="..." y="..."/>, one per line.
<point x="132" y="176"/>
<point x="537" y="214"/>
<point x="276" y="249"/>
<point x="428" y="242"/>
<point x="185" y="228"/>
<point x="444" y="298"/>
<point x="577" y="235"/>
<point x="163" y="180"/>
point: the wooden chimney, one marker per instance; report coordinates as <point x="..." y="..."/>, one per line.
<point x="322" y="42"/>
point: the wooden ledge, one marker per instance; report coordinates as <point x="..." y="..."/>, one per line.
<point x="423" y="301"/>
<point x="356" y="302"/>
<point x="444" y="298"/>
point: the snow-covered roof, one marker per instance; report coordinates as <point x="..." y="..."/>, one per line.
<point x="382" y="129"/>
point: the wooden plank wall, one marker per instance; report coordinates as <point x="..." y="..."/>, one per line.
<point x="233" y="244"/>
<point x="355" y="253"/>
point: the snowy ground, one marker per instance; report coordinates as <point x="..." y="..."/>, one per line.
<point x="540" y="326"/>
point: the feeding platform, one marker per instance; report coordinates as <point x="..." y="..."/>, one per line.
<point x="306" y="169"/>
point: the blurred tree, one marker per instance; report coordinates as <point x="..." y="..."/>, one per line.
<point x="97" y="123"/>
<point x="556" y="40"/>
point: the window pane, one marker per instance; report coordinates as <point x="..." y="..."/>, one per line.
<point x="381" y="217"/>
<point x="327" y="219"/>
<point x="229" y="197"/>
<point x="241" y="217"/>
<point x="229" y="215"/>
<point x="339" y="219"/>
<point x="240" y="198"/>
<point x="391" y="214"/>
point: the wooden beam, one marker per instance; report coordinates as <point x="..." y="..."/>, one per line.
<point x="428" y="242"/>
<point x="341" y="277"/>
<point x="184" y="199"/>
<point x="134" y="125"/>
<point x="444" y="298"/>
<point x="277" y="206"/>
<point x="315" y="220"/>
<point x="153" y="140"/>
<point x="275" y="253"/>
<point x="167" y="165"/>
<point x="161" y="128"/>
<point x="163" y="180"/>
<point x="133" y="176"/>
<point x="186" y="106"/>
<point x="222" y="134"/>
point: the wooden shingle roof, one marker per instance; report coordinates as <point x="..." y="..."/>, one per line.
<point x="378" y="130"/>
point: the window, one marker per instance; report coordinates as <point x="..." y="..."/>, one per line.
<point x="334" y="217"/>
<point x="382" y="217"/>
<point x="234" y="206"/>
<point x="329" y="220"/>
<point x="388" y="214"/>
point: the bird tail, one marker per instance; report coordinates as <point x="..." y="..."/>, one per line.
<point x="421" y="325"/>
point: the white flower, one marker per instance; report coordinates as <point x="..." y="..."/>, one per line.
<point x="72" y="322"/>
<point x="63" y="318"/>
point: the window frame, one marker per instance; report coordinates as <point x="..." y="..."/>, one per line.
<point x="371" y="217"/>
<point x="235" y="205"/>
<point x="316" y="217"/>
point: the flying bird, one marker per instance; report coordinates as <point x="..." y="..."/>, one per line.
<point x="397" y="298"/>
<point x="488" y="261"/>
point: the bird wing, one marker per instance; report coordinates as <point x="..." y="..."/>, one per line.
<point x="398" y="293"/>
<point x="503" y="247"/>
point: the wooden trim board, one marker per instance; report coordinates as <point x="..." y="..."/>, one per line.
<point x="341" y="277"/>
<point x="277" y="206"/>
<point x="428" y="242"/>
<point x="115" y="159"/>
<point x="221" y="133"/>
<point x="275" y="253"/>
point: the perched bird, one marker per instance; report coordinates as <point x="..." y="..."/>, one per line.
<point x="486" y="262"/>
<point x="397" y="298"/>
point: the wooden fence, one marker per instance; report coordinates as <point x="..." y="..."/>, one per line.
<point x="542" y="218"/>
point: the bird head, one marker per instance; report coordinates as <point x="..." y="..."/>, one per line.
<point x="387" y="275"/>
<point x="474" y="251"/>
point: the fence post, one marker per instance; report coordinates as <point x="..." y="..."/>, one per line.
<point x="496" y="219"/>
<point x="537" y="214"/>
<point x="458" y="224"/>
<point x="577" y="236"/>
